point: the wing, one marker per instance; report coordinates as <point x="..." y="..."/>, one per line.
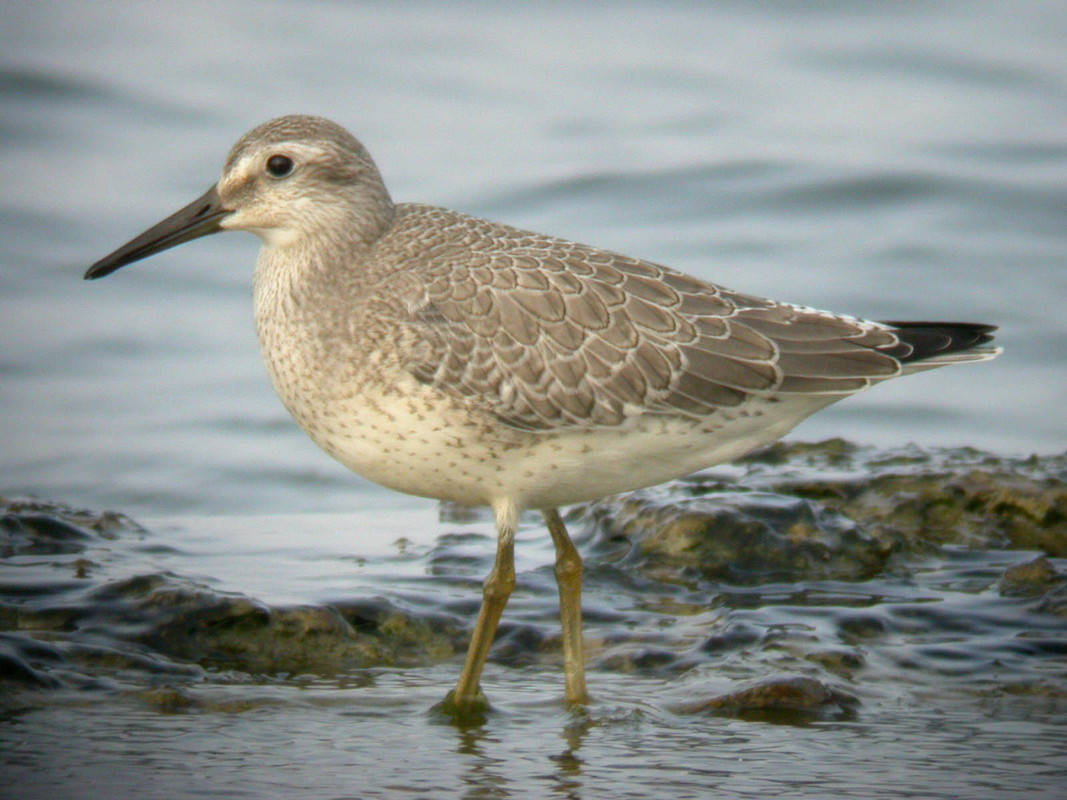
<point x="547" y="334"/>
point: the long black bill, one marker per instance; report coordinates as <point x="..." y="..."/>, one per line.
<point x="200" y="218"/>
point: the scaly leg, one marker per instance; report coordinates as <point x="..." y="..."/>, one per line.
<point x="569" y="578"/>
<point x="498" y="588"/>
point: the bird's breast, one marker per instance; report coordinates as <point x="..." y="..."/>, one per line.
<point x="348" y="390"/>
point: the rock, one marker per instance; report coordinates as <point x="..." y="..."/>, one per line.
<point x="781" y="699"/>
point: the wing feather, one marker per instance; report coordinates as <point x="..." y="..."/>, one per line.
<point x="546" y="334"/>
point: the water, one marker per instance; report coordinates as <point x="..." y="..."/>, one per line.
<point x="288" y="653"/>
<point x="869" y="159"/>
<point x="890" y="160"/>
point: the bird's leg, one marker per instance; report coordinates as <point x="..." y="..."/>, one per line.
<point x="569" y="578"/>
<point x="498" y="587"/>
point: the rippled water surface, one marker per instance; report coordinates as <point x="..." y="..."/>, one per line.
<point x="831" y="623"/>
<point x="264" y="624"/>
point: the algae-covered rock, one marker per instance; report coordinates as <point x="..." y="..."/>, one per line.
<point x="233" y="632"/>
<point x="835" y="510"/>
<point x="1032" y="579"/>
<point x="741" y="536"/>
<point x="788" y="698"/>
<point x="913" y="498"/>
<point x="35" y="527"/>
<point x="66" y="619"/>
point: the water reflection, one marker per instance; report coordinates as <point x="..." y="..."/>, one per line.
<point x="567" y="780"/>
<point x="484" y="776"/>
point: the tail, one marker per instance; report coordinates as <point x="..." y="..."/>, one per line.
<point x="924" y="345"/>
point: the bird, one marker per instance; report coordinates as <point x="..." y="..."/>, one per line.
<point x="452" y="357"/>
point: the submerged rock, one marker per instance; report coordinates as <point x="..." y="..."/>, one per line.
<point x="788" y="698"/>
<point x="915" y="498"/>
<point x="834" y="510"/>
<point x="1032" y="579"/>
<point x="739" y="536"/>
<point x="67" y="623"/>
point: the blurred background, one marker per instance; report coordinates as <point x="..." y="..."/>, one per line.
<point x="888" y="160"/>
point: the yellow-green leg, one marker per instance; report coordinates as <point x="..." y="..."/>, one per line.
<point x="569" y="578"/>
<point x="498" y="588"/>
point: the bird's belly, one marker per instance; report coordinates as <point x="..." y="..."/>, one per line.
<point x="415" y="440"/>
<point x="586" y="465"/>
<point x="410" y="438"/>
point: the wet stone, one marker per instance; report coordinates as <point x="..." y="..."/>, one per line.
<point x="646" y="661"/>
<point x="861" y="627"/>
<point x="168" y="699"/>
<point x="738" y="535"/>
<point x="521" y="645"/>
<point x="1055" y="602"/>
<point x="37" y="527"/>
<point x="24" y="662"/>
<point x="734" y="637"/>
<point x="40" y="534"/>
<point x="1032" y="579"/>
<point x="782" y="699"/>
<point x="915" y="500"/>
<point x="160" y="624"/>
<point x="223" y="632"/>
<point x="840" y="662"/>
<point x="836" y="510"/>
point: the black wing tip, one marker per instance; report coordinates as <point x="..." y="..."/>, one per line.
<point x="922" y="340"/>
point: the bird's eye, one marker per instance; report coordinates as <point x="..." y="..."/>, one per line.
<point x="279" y="166"/>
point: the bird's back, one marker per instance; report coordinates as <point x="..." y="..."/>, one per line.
<point x="547" y="334"/>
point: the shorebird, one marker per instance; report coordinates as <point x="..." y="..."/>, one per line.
<point x="451" y="357"/>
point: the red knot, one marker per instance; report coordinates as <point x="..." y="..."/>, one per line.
<point x="456" y="358"/>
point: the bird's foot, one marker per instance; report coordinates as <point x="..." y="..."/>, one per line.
<point x="465" y="711"/>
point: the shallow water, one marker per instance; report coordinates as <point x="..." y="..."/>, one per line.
<point x="317" y="746"/>
<point x="908" y="633"/>
<point x="893" y="161"/>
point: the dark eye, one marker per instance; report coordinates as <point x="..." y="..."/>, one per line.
<point x="279" y="166"/>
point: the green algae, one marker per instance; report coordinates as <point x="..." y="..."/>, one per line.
<point x="836" y="510"/>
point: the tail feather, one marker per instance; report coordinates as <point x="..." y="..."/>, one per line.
<point x="922" y="345"/>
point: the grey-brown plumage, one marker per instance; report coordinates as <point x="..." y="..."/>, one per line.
<point x="453" y="357"/>
<point x="548" y="334"/>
